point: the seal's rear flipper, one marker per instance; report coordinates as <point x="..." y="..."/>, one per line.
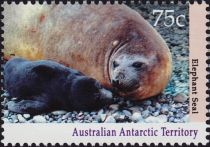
<point x="28" y="106"/>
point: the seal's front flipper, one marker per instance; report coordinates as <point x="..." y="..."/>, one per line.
<point x="28" y="106"/>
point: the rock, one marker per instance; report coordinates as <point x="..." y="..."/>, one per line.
<point x="63" y="121"/>
<point x="164" y="110"/>
<point x="101" y="111"/>
<point x="173" y="109"/>
<point x="136" y="116"/>
<point x="26" y="116"/>
<point x="81" y="121"/>
<point x="97" y="118"/>
<point x="158" y="106"/>
<point x="102" y="117"/>
<point x="21" y="119"/>
<point x="145" y="113"/>
<point x="14" y="118"/>
<point x="140" y="121"/>
<point x="5" y="94"/>
<point x="65" y="116"/>
<point x="165" y="105"/>
<point x="110" y="119"/>
<point x="156" y="113"/>
<point x="86" y="113"/>
<point x="170" y="113"/>
<point x="50" y="119"/>
<point x="116" y="114"/>
<point x="178" y="105"/>
<point x="94" y="121"/>
<point x="127" y="113"/>
<point x="122" y="104"/>
<point x="134" y="109"/>
<point x="14" y="99"/>
<point x="4" y="103"/>
<point x="162" y="100"/>
<point x="171" y="119"/>
<point x="114" y="107"/>
<point x="75" y="112"/>
<point x="80" y="116"/>
<point x="90" y="118"/>
<point x="129" y="104"/>
<point x="158" y="119"/>
<point x="141" y="109"/>
<point x="6" y="113"/>
<point x="94" y="116"/>
<point x="69" y="121"/>
<point x="87" y="121"/>
<point x="93" y="113"/>
<point x="151" y="119"/>
<point x="59" y="112"/>
<point x="39" y="119"/>
<point x="59" y="120"/>
<point x="179" y="115"/>
<point x="176" y="120"/>
<point x="147" y="103"/>
<point x="180" y="98"/>
<point x="75" y="121"/>
<point x="6" y="120"/>
<point x="122" y="117"/>
<point x="46" y="117"/>
<point x="151" y="109"/>
<point x="30" y="121"/>
<point x="185" y="118"/>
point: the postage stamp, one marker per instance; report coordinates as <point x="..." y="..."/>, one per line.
<point x="104" y="73"/>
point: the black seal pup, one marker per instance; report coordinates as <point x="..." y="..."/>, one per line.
<point x="43" y="86"/>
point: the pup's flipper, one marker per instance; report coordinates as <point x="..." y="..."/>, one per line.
<point x="28" y="106"/>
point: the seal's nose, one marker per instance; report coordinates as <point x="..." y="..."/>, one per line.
<point x="115" y="83"/>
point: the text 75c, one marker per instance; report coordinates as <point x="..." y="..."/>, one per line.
<point x="169" y="17"/>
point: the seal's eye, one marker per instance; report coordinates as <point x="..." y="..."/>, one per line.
<point x="137" y="64"/>
<point x="115" y="64"/>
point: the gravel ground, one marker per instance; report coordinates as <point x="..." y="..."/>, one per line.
<point x="170" y="106"/>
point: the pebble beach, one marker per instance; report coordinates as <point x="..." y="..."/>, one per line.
<point x="172" y="105"/>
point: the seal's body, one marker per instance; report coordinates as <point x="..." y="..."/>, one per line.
<point x="111" y="43"/>
<point x="42" y="86"/>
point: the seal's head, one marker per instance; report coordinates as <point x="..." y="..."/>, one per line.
<point x="134" y="68"/>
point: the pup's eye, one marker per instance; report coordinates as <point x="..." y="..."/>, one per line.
<point x="97" y="96"/>
<point x="137" y="64"/>
<point x="98" y="85"/>
<point x="115" y="64"/>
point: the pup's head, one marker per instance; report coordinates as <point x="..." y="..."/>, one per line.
<point x="88" y="94"/>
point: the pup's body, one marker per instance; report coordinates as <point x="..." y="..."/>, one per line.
<point x="42" y="86"/>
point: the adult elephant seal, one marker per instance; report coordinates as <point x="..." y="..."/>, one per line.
<point x="111" y="43"/>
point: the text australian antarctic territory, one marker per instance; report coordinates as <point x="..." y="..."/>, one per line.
<point x="163" y="131"/>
